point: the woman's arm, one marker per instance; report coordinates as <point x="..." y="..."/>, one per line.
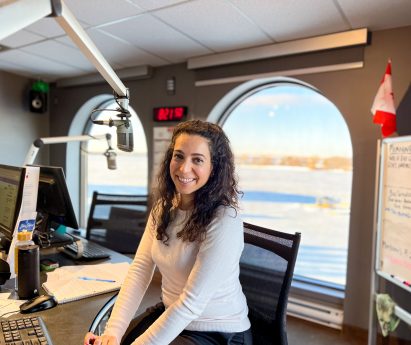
<point x="217" y="259"/>
<point x="135" y="285"/>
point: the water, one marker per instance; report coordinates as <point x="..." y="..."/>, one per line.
<point x="313" y="202"/>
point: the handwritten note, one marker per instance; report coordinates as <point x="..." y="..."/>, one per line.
<point x="395" y="241"/>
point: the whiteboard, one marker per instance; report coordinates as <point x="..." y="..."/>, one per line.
<point x="393" y="254"/>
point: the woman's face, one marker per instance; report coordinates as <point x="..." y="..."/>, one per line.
<point x="190" y="166"/>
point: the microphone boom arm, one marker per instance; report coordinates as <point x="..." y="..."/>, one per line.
<point x="16" y="15"/>
<point x="38" y="143"/>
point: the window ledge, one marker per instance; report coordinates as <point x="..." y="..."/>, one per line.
<point x="318" y="291"/>
<point x="317" y="301"/>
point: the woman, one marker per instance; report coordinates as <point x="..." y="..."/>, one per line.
<point x="194" y="235"/>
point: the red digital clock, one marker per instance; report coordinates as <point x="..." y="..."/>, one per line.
<point x="170" y="113"/>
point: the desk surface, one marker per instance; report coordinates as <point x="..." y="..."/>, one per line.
<point x="68" y="323"/>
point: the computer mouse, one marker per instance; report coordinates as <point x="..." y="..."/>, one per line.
<point x="38" y="303"/>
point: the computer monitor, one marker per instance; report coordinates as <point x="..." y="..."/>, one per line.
<point x="54" y="206"/>
<point x="11" y="183"/>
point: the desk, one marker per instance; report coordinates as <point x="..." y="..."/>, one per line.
<point x="68" y="323"/>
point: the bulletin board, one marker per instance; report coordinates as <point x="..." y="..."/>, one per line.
<point x="393" y="252"/>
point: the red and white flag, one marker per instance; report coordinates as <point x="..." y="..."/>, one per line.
<point x="383" y="107"/>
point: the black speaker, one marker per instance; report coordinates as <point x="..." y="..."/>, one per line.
<point x="37" y="101"/>
<point x="28" y="272"/>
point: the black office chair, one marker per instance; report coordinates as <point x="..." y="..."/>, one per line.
<point x="266" y="271"/>
<point x="117" y="221"/>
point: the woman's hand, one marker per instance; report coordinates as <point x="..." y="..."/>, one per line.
<point x="90" y="338"/>
<point x="93" y="339"/>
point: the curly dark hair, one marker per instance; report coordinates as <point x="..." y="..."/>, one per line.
<point x="221" y="188"/>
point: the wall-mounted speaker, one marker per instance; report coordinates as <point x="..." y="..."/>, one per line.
<point x="37" y="101"/>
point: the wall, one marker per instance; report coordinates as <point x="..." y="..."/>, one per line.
<point x="352" y="91"/>
<point x="19" y="127"/>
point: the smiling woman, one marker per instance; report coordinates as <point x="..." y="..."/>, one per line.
<point x="190" y="167"/>
<point x="194" y="235"/>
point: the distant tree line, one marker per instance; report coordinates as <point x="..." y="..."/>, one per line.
<point x="311" y="162"/>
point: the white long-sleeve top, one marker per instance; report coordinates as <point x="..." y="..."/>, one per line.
<point x="200" y="281"/>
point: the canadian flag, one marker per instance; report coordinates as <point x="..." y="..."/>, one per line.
<point x="383" y="107"/>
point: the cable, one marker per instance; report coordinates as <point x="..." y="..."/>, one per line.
<point x="122" y="112"/>
<point x="10" y="312"/>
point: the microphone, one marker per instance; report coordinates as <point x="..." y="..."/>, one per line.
<point x="110" y="154"/>
<point x="111" y="159"/>
<point x="124" y="132"/>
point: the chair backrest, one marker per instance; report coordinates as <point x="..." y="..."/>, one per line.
<point x="266" y="271"/>
<point x="117" y="221"/>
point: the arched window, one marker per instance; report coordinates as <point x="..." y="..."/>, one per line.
<point x="294" y="159"/>
<point x="130" y="176"/>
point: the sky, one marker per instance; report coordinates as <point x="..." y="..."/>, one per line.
<point x="288" y="120"/>
<point x="276" y="121"/>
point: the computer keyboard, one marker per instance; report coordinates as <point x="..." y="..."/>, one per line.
<point x="24" y="330"/>
<point x="85" y="251"/>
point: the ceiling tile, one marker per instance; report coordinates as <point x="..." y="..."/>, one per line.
<point x="229" y="29"/>
<point x="68" y="42"/>
<point x="24" y="71"/>
<point x="10" y="67"/>
<point x="96" y="12"/>
<point x="118" y="53"/>
<point x="377" y="14"/>
<point x="155" y="37"/>
<point x="46" y="27"/>
<point x="159" y="32"/>
<point x="61" y="53"/>
<point x="20" y="38"/>
<point x="38" y="66"/>
<point x="294" y="19"/>
<point x="122" y="52"/>
<point x="155" y="4"/>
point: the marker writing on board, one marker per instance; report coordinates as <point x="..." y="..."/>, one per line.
<point x="406" y="283"/>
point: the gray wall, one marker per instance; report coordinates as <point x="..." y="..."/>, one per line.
<point x="352" y="91"/>
<point x="19" y="127"/>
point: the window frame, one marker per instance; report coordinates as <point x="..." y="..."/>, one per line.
<point x="307" y="288"/>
